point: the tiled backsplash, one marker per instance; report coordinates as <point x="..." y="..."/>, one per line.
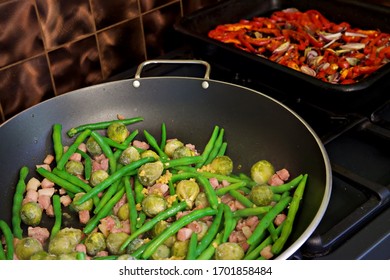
<point x="50" y="47"/>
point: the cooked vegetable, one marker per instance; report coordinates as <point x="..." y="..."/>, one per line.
<point x="262" y="171"/>
<point x="93" y="147"/>
<point x="9" y="239"/>
<point x="153" y="204"/>
<point x="74" y="167"/>
<point x="261" y="195"/>
<point x="131" y="154"/>
<point x="150" y="172"/>
<point x="222" y="165"/>
<point x="187" y="190"/>
<point x="114" y="241"/>
<point x="27" y="247"/>
<point x="31" y="213"/>
<point x="65" y="241"/>
<point x="229" y="251"/>
<point x="94" y="243"/>
<point x="98" y="176"/>
<point x="17" y="202"/>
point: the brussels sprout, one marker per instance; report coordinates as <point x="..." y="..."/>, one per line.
<point x="162" y="252"/>
<point x="262" y="171"/>
<point x="222" y="165"/>
<point x="74" y="167"/>
<point x="180" y="249"/>
<point x="87" y="205"/>
<point x="126" y="257"/>
<point x="229" y="251"/>
<point x="150" y="153"/>
<point x="31" y="213"/>
<point x="68" y="256"/>
<point x="153" y="204"/>
<point x="261" y="195"/>
<point x="159" y="228"/>
<point x="187" y="190"/>
<point x="201" y="200"/>
<point x="182" y="152"/>
<point x="129" y="155"/>
<point x="98" y="176"/>
<point x="42" y="255"/>
<point x="118" y="132"/>
<point x="27" y="247"/>
<point x="93" y="147"/>
<point x="150" y="172"/>
<point x="114" y="241"/>
<point x="134" y="245"/>
<point x="95" y="242"/>
<point x="65" y="241"/>
<point x="171" y="146"/>
<point x="123" y="212"/>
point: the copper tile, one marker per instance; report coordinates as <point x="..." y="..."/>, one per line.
<point x="121" y="47"/>
<point x="147" y="5"/>
<point x="160" y="36"/>
<point x="75" y="65"/>
<point x="20" y="35"/>
<point x="24" y="85"/>
<point x="190" y="6"/>
<point x="64" y="20"/>
<point x="107" y="13"/>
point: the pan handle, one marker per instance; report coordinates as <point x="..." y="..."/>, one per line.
<point x="205" y="84"/>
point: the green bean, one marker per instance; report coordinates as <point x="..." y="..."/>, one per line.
<point x="17" y="202"/>
<point x="272" y="231"/>
<point x="163" y="136"/>
<point x="182" y="161"/>
<point x="233" y="186"/>
<point x="211" y="232"/>
<point x="153" y="143"/>
<point x="209" y="191"/>
<point x="80" y="256"/>
<point x="131" y="203"/>
<point x="138" y="190"/>
<point x="242" y="199"/>
<point x="209" y="146"/>
<point x="229" y="222"/>
<point x="2" y="252"/>
<point x="141" y="219"/>
<point x="268" y="241"/>
<point x="268" y="218"/>
<point x="68" y="186"/>
<point x="113" y="143"/>
<point x="9" y="239"/>
<point x="220" y="177"/>
<point x="137" y="253"/>
<point x="72" y="149"/>
<point x="169" y="212"/>
<point x="101" y="125"/>
<point x="112" y="178"/>
<point x="174" y="227"/>
<point x="105" y="258"/>
<point x="292" y="211"/>
<point x="182" y="176"/>
<point x="57" y="215"/>
<point x="106" y="150"/>
<point x="127" y="142"/>
<point x="108" y="194"/>
<point x="104" y="212"/>
<point x="222" y="149"/>
<point x="57" y="141"/>
<point x="209" y="252"/>
<point x="87" y="164"/>
<point x="191" y="253"/>
<point x="217" y="145"/>
<point x="287" y="186"/>
<point x="254" y="211"/>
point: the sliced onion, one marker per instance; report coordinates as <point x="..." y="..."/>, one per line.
<point x="334" y="78"/>
<point x="328" y="44"/>
<point x="307" y="70"/>
<point x="352" y="60"/>
<point x="282" y="48"/>
<point x="354" y="34"/>
<point x="329" y="36"/>
<point x="353" y="46"/>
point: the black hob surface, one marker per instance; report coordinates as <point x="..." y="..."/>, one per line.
<point x="356" y="224"/>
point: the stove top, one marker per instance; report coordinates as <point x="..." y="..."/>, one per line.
<point x="356" y="224"/>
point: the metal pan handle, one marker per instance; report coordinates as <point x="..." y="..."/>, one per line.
<point x="205" y="84"/>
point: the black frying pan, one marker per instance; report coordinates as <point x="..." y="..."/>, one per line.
<point x="257" y="127"/>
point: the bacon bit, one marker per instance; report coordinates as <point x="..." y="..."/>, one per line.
<point x="84" y="216"/>
<point x="246" y="231"/>
<point x="184" y="234"/>
<point x="33" y="184"/>
<point x="44" y="201"/>
<point x="31" y="195"/>
<point x="46" y="183"/>
<point x="75" y="157"/>
<point x="62" y="191"/>
<point x="65" y="200"/>
<point x="39" y="233"/>
<point x="283" y="174"/>
<point x="83" y="147"/>
<point x="275" y="180"/>
<point x="47" y="191"/>
<point x="214" y="182"/>
<point x="48" y="159"/>
<point x="158" y="189"/>
<point x="50" y="211"/>
<point x="45" y="166"/>
<point x="279" y="219"/>
<point x="81" y="248"/>
<point x="102" y="254"/>
<point x="141" y="145"/>
<point x="120" y="117"/>
<point x="119" y="204"/>
<point x="266" y="252"/>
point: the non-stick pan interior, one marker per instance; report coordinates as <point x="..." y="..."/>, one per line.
<point x="256" y="127"/>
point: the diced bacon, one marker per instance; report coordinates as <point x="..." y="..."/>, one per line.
<point x="84" y="216"/>
<point x="100" y="157"/>
<point x="225" y="183"/>
<point x="184" y="234"/>
<point x="31" y="195"/>
<point x="47" y="191"/>
<point x="107" y="224"/>
<point x="237" y="236"/>
<point x="83" y="147"/>
<point x="226" y="198"/>
<point x="39" y="233"/>
<point x="252" y="222"/>
<point x="283" y="174"/>
<point x="50" y="211"/>
<point x="102" y="254"/>
<point x="266" y="252"/>
<point x="46" y="183"/>
<point x="45" y="166"/>
<point x="159" y="189"/>
<point x="62" y="191"/>
<point x="81" y="248"/>
<point x="75" y="157"/>
<point x="191" y="147"/>
<point x="123" y="227"/>
<point x="65" y="200"/>
<point x="119" y="204"/>
<point x="279" y="219"/>
<point x="141" y="145"/>
<point x="33" y="184"/>
<point x="104" y="164"/>
<point x="214" y="182"/>
<point x="44" y="201"/>
<point x="238" y="205"/>
<point x="120" y="117"/>
<point x="246" y="231"/>
<point x="48" y="159"/>
<point x="275" y="180"/>
<point x="196" y="226"/>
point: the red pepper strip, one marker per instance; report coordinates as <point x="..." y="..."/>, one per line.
<point x="314" y="42"/>
<point x="244" y="40"/>
<point x="385" y="52"/>
<point x="303" y="42"/>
